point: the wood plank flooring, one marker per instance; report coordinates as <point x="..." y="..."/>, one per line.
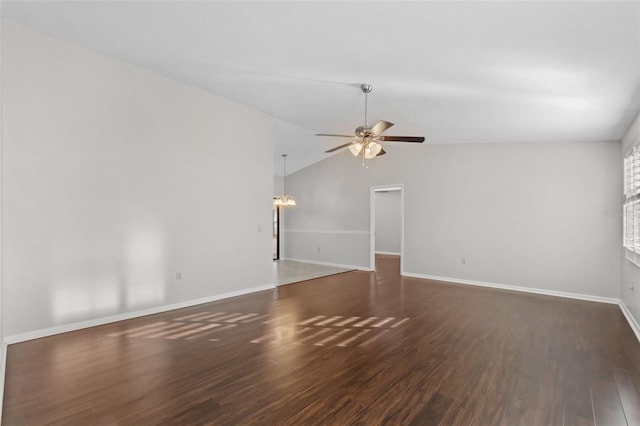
<point x="355" y="348"/>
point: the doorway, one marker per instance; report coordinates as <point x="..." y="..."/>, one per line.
<point x="276" y="232"/>
<point x="387" y="223"/>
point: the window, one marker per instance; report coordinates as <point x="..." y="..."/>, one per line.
<point x="631" y="209"/>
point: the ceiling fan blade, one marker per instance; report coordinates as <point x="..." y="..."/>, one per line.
<point x="339" y="147"/>
<point x="380" y="127"/>
<point x="382" y="152"/>
<point x="337" y="136"/>
<point x="418" y="139"/>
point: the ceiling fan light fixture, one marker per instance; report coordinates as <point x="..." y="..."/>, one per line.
<point x="356" y="148"/>
<point x="372" y="150"/>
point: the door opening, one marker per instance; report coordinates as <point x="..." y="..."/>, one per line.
<point x="387" y="223"/>
<point x="276" y="232"/>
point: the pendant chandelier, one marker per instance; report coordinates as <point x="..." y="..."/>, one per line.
<point x="284" y="200"/>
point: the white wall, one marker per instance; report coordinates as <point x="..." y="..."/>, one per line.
<point x="2" y="344"/>
<point x="115" y="179"/>
<point x="630" y="272"/>
<point x="388" y="222"/>
<point x="530" y="215"/>
<point x="331" y="220"/>
<point x="277" y="186"/>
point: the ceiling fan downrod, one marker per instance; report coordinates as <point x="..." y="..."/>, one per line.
<point x="366" y="89"/>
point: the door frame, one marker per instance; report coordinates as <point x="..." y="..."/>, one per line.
<point x="372" y="224"/>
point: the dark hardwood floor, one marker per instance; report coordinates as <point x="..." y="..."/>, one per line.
<point x="356" y="348"/>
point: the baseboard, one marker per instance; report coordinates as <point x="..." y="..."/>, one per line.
<point x="565" y="294"/>
<point x="390" y="253"/>
<point x="3" y="366"/>
<point x="16" y="338"/>
<point x="630" y="319"/>
<point x="337" y="265"/>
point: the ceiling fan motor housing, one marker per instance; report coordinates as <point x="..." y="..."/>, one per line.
<point x="362" y="131"/>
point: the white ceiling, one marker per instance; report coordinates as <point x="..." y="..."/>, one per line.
<point x="450" y="71"/>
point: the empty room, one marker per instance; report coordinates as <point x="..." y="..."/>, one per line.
<point x="320" y="213"/>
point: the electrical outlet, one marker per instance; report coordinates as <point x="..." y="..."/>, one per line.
<point x="178" y="276"/>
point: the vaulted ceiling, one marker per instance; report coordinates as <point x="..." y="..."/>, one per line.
<point x="454" y="72"/>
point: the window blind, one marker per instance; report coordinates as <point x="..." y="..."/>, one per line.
<point x="631" y="208"/>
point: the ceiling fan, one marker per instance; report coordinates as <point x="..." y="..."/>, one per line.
<point x="367" y="139"/>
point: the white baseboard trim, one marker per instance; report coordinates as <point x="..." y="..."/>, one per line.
<point x="579" y="296"/>
<point x="630" y="319"/>
<point x="17" y="338"/>
<point x="3" y="369"/>
<point x="337" y="265"/>
<point x="391" y="253"/>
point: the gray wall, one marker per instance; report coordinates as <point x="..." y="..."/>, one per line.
<point x="531" y="215"/>
<point x="115" y="179"/>
<point x="388" y="222"/>
<point x="630" y="272"/>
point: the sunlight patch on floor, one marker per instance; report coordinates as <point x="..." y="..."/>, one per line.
<point x="320" y="330"/>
